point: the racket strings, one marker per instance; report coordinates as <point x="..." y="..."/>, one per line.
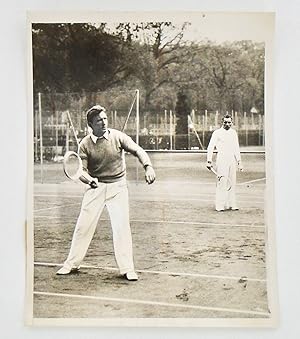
<point x="72" y="166"/>
<point x="228" y="181"/>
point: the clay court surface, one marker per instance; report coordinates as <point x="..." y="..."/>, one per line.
<point x="192" y="261"/>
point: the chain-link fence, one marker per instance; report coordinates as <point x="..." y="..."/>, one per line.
<point x="59" y="117"/>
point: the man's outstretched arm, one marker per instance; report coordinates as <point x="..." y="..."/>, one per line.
<point x="130" y="146"/>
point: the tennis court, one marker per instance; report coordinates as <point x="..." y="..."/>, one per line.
<point x="192" y="261"/>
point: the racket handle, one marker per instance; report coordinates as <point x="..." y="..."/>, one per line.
<point x="87" y="179"/>
<point x="214" y="171"/>
<point x="93" y="184"/>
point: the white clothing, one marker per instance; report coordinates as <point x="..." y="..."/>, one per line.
<point x="95" y="138"/>
<point x="104" y="159"/>
<point x="227" y="145"/>
<point x="115" y="197"/>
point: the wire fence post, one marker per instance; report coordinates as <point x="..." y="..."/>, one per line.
<point x="36" y="135"/>
<point x="41" y="135"/>
<point x="73" y="128"/>
<point x="171" y="131"/>
<point x="115" y="119"/>
<point x="56" y="134"/>
<point x="246" y="128"/>
<point x="67" y="137"/>
<point x="188" y="124"/>
<point x="165" y="121"/>
<point x="137" y="115"/>
<point x="174" y="124"/>
<point x="236" y="122"/>
<point x="137" y="129"/>
<point x="203" y="130"/>
<point x="156" y="134"/>
<point x="216" y="119"/>
<point x="263" y="131"/>
<point x="259" y="130"/>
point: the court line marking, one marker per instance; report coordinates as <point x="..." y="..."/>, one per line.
<point x="250" y="181"/>
<point x="165" y="222"/>
<point x="159" y="193"/>
<point x="137" y="197"/>
<point x="245" y="196"/>
<point x="154" y="303"/>
<point x="195" y="275"/>
<point x="139" y="182"/>
<point x="179" y="182"/>
<point x="53" y="207"/>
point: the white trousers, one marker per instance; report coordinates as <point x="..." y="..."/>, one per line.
<point x="115" y="197"/>
<point x="226" y="199"/>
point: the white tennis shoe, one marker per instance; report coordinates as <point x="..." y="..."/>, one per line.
<point x="131" y="276"/>
<point x="65" y="270"/>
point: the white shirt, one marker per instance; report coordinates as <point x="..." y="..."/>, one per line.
<point x="227" y="144"/>
<point x="95" y="138"/>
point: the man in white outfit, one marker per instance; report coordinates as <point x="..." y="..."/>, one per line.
<point x="102" y="155"/>
<point x="225" y="140"/>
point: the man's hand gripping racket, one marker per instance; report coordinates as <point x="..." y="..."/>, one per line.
<point x="219" y="177"/>
<point x="74" y="170"/>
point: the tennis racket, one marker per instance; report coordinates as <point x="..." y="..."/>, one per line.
<point x="73" y="169"/>
<point x="219" y="177"/>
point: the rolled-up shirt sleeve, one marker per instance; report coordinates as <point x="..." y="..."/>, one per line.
<point x="130" y="146"/>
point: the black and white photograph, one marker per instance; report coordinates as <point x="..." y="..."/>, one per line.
<point x="150" y="169"/>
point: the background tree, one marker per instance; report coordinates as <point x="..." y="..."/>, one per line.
<point x="154" y="57"/>
<point x="160" y="51"/>
<point x="78" y="58"/>
<point x="183" y="109"/>
<point x="224" y="77"/>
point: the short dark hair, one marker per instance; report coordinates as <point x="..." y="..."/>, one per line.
<point x="92" y="112"/>
<point x="227" y="116"/>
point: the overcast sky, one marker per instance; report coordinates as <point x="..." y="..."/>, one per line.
<point x="215" y="26"/>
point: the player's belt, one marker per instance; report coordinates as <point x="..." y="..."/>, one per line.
<point x="111" y="180"/>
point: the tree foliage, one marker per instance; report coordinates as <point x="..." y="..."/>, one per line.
<point x="158" y="55"/>
<point x="225" y="77"/>
<point x="78" y="57"/>
<point x="152" y="56"/>
<point x="182" y="109"/>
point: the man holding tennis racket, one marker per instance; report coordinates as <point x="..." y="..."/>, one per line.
<point x="102" y="155"/>
<point x="225" y="140"/>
